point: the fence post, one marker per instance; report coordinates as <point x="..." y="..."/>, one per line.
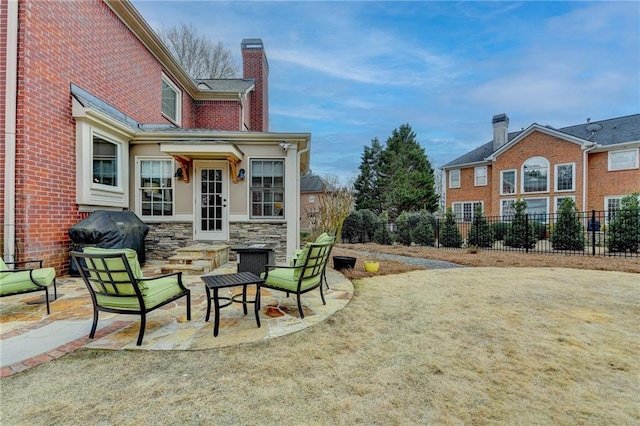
<point x="593" y="232"/>
<point x="526" y="233"/>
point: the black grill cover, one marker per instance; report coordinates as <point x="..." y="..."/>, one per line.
<point x="110" y="229"/>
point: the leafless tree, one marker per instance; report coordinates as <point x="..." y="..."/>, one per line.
<point x="198" y="55"/>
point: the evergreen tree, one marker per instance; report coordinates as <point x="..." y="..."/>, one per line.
<point x="369" y="223"/>
<point x="480" y="234"/>
<point x="352" y="227"/>
<point x="408" y="179"/>
<point x="367" y="186"/>
<point x="424" y="232"/>
<point x="568" y="232"/>
<point x="519" y="233"/>
<point x="450" y="235"/>
<point x="624" y="227"/>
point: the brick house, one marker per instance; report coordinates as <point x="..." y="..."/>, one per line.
<point x="594" y="163"/>
<point x="311" y="189"/>
<point x="96" y="114"/>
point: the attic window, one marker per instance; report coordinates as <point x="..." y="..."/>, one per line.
<point x="171" y="100"/>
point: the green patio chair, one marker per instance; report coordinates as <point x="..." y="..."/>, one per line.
<point x="305" y="275"/>
<point x="19" y="279"/>
<point x="116" y="284"/>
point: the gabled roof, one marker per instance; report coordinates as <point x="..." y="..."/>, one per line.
<point x="232" y="85"/>
<point x="313" y="183"/>
<point x="604" y="133"/>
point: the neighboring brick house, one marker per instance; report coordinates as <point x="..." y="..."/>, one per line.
<point x="311" y="189"/>
<point x="594" y="163"/>
<point x="98" y="115"/>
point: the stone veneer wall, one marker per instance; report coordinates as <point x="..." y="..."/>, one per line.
<point x="164" y="238"/>
<point x="243" y="233"/>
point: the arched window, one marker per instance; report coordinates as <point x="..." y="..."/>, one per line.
<point x="535" y="175"/>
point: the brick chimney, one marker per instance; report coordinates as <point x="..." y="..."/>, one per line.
<point x="500" y="130"/>
<point x="255" y="65"/>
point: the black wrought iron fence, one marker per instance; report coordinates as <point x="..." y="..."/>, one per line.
<point x="591" y="233"/>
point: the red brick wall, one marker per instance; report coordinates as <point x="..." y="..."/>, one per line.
<point x="219" y="115"/>
<point x="63" y="42"/>
<point x="255" y="65"/>
<point x="3" y="76"/>
<point x="621" y="182"/>
<point x="555" y="150"/>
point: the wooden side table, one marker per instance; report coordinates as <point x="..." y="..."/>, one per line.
<point x="216" y="282"/>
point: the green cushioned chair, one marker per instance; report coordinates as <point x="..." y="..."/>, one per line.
<point x="21" y="279"/>
<point x="116" y="284"/>
<point x="322" y="238"/>
<point x="305" y="275"/>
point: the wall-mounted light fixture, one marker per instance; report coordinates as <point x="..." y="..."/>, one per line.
<point x="178" y="173"/>
<point x="241" y="174"/>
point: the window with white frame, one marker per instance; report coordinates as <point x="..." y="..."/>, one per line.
<point x="171" y="100"/>
<point x="105" y="162"/>
<point x="155" y="187"/>
<point x="623" y="159"/>
<point x="312" y="199"/>
<point x="465" y="211"/>
<point x="480" y="174"/>
<point x="267" y="188"/>
<point x="612" y="205"/>
<point x="505" y="208"/>
<point x="537" y="209"/>
<point x="454" y="178"/>
<point x="559" y="201"/>
<point x="565" y="177"/>
<point x="508" y="182"/>
<point x="535" y="175"/>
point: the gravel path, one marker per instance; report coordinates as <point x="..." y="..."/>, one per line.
<point x="426" y="263"/>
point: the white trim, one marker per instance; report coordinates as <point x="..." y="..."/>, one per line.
<point x="451" y="180"/>
<point x="626" y="167"/>
<point x="522" y="180"/>
<point x="473" y="210"/>
<point x="178" y="118"/>
<point x="515" y="181"/>
<point x="556" y="207"/>
<point x="573" y="177"/>
<point x="475" y="175"/>
<point x="502" y="201"/>
<point x="138" y="199"/>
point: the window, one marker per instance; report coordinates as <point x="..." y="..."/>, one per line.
<point x="480" y="176"/>
<point x="171" y="100"/>
<point x="559" y="202"/>
<point x="565" y="177"/>
<point x="267" y="188"/>
<point x="454" y="178"/>
<point x="507" y="182"/>
<point x="312" y="199"/>
<point x="155" y="187"/>
<point x="105" y="162"/>
<point x="537" y="209"/>
<point x="465" y="211"/>
<point x="535" y="175"/>
<point x="612" y="205"/>
<point x="623" y="160"/>
<point x="505" y="209"/>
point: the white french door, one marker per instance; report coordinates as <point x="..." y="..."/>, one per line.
<point x="211" y="192"/>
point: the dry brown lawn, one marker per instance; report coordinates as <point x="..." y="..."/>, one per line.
<point x="475" y="346"/>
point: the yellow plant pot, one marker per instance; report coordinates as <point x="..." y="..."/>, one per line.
<point x="371" y="266"/>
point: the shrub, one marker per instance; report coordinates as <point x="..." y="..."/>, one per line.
<point x="382" y="234"/>
<point x="624" y="227"/>
<point x="450" y="235"/>
<point x="519" y="233"/>
<point x="352" y="227"/>
<point x="424" y="232"/>
<point x="480" y="233"/>
<point x="568" y="231"/>
<point x="369" y="224"/>
<point x="404" y="229"/>
<point x="499" y="230"/>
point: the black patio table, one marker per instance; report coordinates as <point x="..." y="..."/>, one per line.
<point x="216" y="282"/>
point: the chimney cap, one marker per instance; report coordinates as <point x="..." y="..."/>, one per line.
<point x="499" y="117"/>
<point x="252" y="43"/>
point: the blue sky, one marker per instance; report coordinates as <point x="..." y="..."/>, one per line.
<point x="349" y="71"/>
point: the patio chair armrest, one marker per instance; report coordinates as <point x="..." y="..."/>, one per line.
<point x="24" y="262"/>
<point x="157" y="277"/>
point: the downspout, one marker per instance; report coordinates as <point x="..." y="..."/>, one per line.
<point x="10" y="101"/>
<point x="297" y="237"/>
<point x="585" y="171"/>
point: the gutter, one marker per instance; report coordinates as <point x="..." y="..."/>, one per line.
<point x="585" y="172"/>
<point x="10" y="101"/>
